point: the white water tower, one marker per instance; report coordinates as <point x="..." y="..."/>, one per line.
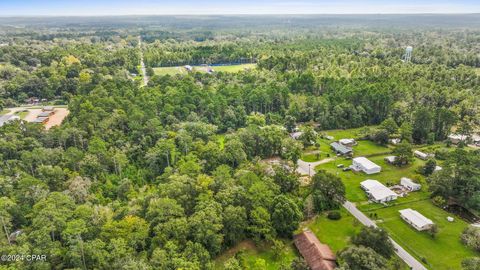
<point x="408" y="53"/>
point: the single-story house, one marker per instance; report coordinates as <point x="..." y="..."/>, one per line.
<point x="421" y="155"/>
<point x="341" y="149"/>
<point x="318" y="256"/>
<point x="409" y="184"/>
<point x="390" y="159"/>
<point x="48" y="109"/>
<point x="41" y="120"/>
<point x="296" y="135"/>
<point x="365" y="165"/>
<point x="8" y="118"/>
<point x="415" y="219"/>
<point x="378" y="192"/>
<point x="457" y="138"/>
<point x="347" y="142"/>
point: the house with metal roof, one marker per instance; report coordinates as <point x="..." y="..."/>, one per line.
<point x="341" y="149"/>
<point x="415" y="219"/>
<point x="365" y="165"/>
<point x="377" y="192"/>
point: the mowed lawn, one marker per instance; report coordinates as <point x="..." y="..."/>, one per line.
<point x="161" y="71"/>
<point x="444" y="252"/>
<point x="335" y="233"/>
<point x="248" y="254"/>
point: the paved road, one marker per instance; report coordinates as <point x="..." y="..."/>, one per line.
<point x="308" y="168"/>
<point x="142" y="63"/>
<point x="402" y="253"/>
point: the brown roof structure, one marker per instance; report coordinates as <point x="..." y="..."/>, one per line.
<point x="317" y="255"/>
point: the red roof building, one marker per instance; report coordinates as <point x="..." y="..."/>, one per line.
<point x="317" y="255"/>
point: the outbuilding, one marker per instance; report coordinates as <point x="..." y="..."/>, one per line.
<point x="347" y="142"/>
<point x="48" y="109"/>
<point x="415" y="219"/>
<point x="390" y="159"/>
<point x="365" y="165"/>
<point x="409" y="184"/>
<point x="378" y="192"/>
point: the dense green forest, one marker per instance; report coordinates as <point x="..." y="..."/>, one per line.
<point x="170" y="175"/>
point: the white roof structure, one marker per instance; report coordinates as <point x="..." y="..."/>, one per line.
<point x="407" y="182"/>
<point x="391" y="159"/>
<point x="377" y="190"/>
<point x="296" y="135"/>
<point x="417" y="219"/>
<point x="365" y="162"/>
<point x="420" y="154"/>
<point x="437" y="168"/>
<point x="346" y="141"/>
<point x="459" y="137"/>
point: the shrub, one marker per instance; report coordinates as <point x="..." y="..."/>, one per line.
<point x="334" y="215"/>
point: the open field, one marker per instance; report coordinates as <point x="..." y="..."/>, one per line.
<point x="443" y="252"/>
<point x="3" y="112"/>
<point x="161" y="71"/>
<point x="248" y="253"/>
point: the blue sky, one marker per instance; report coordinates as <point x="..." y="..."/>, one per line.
<point x="153" y="7"/>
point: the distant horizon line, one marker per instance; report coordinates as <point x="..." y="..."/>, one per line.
<point x="233" y="14"/>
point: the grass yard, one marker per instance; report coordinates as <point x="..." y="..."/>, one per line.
<point x="338" y="134"/>
<point x="22" y="114"/>
<point x="444" y="252"/>
<point x="161" y="71"/>
<point x="335" y="233"/>
<point x="3" y="112"/>
<point x="248" y="254"/>
<point x="388" y="174"/>
<point x="311" y="157"/>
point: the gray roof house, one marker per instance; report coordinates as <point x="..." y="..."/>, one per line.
<point x="341" y="149"/>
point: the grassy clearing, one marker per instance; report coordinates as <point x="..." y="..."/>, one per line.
<point x="443" y="252"/>
<point x="311" y="157"/>
<point x="161" y="71"/>
<point x="3" y="112"/>
<point x="22" y="114"/>
<point x="248" y="254"/>
<point x="335" y="233"/>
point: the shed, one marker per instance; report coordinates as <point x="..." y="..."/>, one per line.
<point x="45" y="114"/>
<point x="341" y="149"/>
<point x="390" y="159"/>
<point x="365" y="165"/>
<point x="317" y="255"/>
<point x="48" y="109"/>
<point x="41" y="120"/>
<point x="347" y="142"/>
<point x="409" y="184"/>
<point x="415" y="219"/>
<point x="377" y="192"/>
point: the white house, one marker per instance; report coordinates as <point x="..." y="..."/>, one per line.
<point x="415" y="219"/>
<point x="365" y="165"/>
<point x="421" y="155"/>
<point x="457" y="138"/>
<point x="347" y="142"/>
<point x="377" y="192"/>
<point x="409" y="184"/>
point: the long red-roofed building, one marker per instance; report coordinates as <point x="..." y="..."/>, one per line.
<point x="317" y="255"/>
